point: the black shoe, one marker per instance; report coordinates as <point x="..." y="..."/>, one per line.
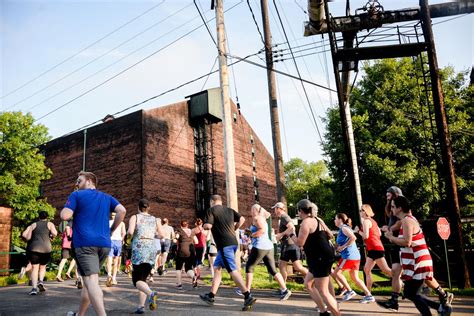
<point x="248" y="303"/>
<point x="34" y="291"/>
<point x="389" y="304"/>
<point x="41" y="287"/>
<point x="160" y="270"/>
<point x="195" y="281"/>
<point x="206" y="298"/>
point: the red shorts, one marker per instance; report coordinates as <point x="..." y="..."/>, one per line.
<point x="347" y="264"/>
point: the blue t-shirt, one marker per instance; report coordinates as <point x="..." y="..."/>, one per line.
<point x="351" y="252"/>
<point x="92" y="210"/>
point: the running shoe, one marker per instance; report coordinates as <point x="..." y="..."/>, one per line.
<point x="388" y="304"/>
<point x="446" y="310"/>
<point x="34" y="291"/>
<point x="108" y="283"/>
<point x="342" y="293"/>
<point x="22" y="273"/>
<point x="160" y="270"/>
<point x="367" y="299"/>
<point x="179" y="287"/>
<point x="277" y="292"/>
<point x="59" y="279"/>
<point x="41" y="287"/>
<point x="349" y="295"/>
<point x="238" y="292"/>
<point x="206" y="298"/>
<point x="449" y="298"/>
<point x="79" y="283"/>
<point x="114" y="282"/>
<point x="140" y="310"/>
<point x="195" y="281"/>
<point x="248" y="303"/>
<point x="285" y="295"/>
<point x="152" y="300"/>
<point x="71" y="313"/>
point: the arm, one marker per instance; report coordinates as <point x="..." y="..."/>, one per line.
<point x="119" y="216"/>
<point x="408" y="229"/>
<point x="290" y="228"/>
<point x="27" y="233"/>
<point x="352" y="238"/>
<point x="260" y="227"/>
<point x="302" y="236"/>
<point x="366" y="225"/>
<point x="123" y="232"/>
<point x="159" y="229"/>
<point x="131" y="226"/>
<point x="396" y="226"/>
<point x="239" y="223"/>
<point x="52" y="229"/>
<point x="66" y="214"/>
<point x="207" y="226"/>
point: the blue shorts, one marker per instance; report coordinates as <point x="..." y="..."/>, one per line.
<point x="165" y="245"/>
<point x="226" y="258"/>
<point x="116" y="248"/>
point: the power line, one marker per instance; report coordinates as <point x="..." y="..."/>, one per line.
<point x="104" y="54"/>
<point x="255" y="22"/>
<point x="82" y="50"/>
<point x="298" y="71"/>
<point x="122" y="58"/>
<point x="204" y="21"/>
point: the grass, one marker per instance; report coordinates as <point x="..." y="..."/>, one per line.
<point x="13" y="278"/>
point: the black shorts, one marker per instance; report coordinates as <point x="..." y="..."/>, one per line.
<point x="394" y="254"/>
<point x="321" y="268"/>
<point x="38" y="257"/>
<point x="65" y="253"/>
<point x="293" y="254"/>
<point x="140" y="272"/>
<point x="199" y="256"/>
<point x="188" y="263"/>
<point x="375" y="254"/>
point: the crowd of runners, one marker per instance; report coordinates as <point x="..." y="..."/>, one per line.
<point x="94" y="235"/>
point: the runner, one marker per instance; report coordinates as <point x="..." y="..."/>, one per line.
<point x="38" y="249"/>
<point x="314" y="236"/>
<point x="212" y="252"/>
<point x="66" y="241"/>
<point x="186" y="255"/>
<point x="91" y="209"/>
<point x="200" y="247"/>
<point x="262" y="249"/>
<point x="142" y="228"/>
<point x="165" y="245"/>
<point x="113" y="260"/>
<point x="223" y="222"/>
<point x="350" y="259"/>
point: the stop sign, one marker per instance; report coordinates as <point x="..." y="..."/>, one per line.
<point x="443" y="228"/>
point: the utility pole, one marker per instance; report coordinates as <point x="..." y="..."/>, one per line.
<point x="445" y="141"/>
<point x="275" y="122"/>
<point x="230" y="178"/>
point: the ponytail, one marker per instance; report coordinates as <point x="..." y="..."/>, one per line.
<point x="345" y="219"/>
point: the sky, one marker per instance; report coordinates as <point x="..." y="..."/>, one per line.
<point x="70" y="63"/>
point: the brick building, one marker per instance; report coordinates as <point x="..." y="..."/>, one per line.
<point x="154" y="154"/>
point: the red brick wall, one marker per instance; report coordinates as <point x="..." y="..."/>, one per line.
<point x="151" y="154"/>
<point x="6" y="216"/>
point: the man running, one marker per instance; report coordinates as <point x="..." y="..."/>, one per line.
<point x="91" y="209"/>
<point x="113" y="260"/>
<point x="223" y="223"/>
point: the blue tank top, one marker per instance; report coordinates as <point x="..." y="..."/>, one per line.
<point x="351" y="252"/>
<point x="262" y="242"/>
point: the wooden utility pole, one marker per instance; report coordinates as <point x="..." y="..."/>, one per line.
<point x="445" y="141"/>
<point x="230" y="177"/>
<point x="272" y="94"/>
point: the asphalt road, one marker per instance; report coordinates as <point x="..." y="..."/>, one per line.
<point x="121" y="299"/>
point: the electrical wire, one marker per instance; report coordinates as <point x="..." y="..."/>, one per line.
<point x="298" y="71"/>
<point x="82" y="50"/>
<point x="255" y="22"/>
<point x="102" y="55"/>
<point x="205" y="23"/>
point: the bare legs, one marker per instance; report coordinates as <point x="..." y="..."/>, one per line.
<point x="369" y="265"/>
<point x="92" y="294"/>
<point x="321" y="285"/>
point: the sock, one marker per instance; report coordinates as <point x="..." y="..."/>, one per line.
<point x="211" y="295"/>
<point x="190" y="273"/>
<point x="395" y="296"/>
<point x="246" y="294"/>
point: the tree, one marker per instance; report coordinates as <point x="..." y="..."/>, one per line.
<point x="309" y="180"/>
<point x="395" y="137"/>
<point x="22" y="169"/>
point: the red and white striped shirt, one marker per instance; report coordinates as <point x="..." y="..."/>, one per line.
<point x="416" y="260"/>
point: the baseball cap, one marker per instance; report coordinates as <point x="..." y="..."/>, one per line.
<point x="395" y="190"/>
<point x="279" y="205"/>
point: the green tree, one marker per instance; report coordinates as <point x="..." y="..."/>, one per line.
<point x="22" y="169"/>
<point x="396" y="141"/>
<point x="309" y="180"/>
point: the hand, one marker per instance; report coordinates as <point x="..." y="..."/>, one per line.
<point x="356" y="229"/>
<point x="339" y="248"/>
<point x="388" y="234"/>
<point x="384" y="228"/>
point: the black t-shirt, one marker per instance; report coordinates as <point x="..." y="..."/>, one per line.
<point x="285" y="219"/>
<point x="222" y="220"/>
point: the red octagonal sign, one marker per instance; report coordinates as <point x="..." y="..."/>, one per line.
<point x="443" y="228"/>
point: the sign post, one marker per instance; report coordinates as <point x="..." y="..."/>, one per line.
<point x="444" y="231"/>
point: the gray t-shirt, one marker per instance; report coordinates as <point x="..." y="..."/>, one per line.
<point x="284" y="221"/>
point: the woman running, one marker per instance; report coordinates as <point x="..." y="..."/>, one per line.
<point x="186" y="254"/>
<point x="370" y="233"/>
<point x="262" y="249"/>
<point x="314" y="237"/>
<point x="350" y="259"/>
<point x="415" y="259"/>
<point x="199" y="246"/>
